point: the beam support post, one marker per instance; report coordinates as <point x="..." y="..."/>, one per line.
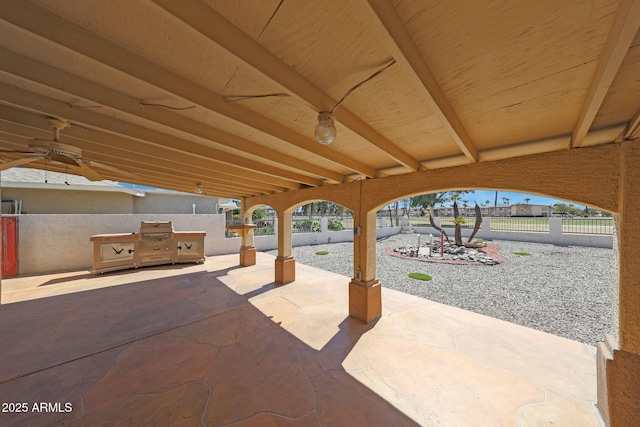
<point x="365" y="291"/>
<point x="285" y="265"/>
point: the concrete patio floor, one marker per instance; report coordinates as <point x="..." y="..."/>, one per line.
<point x="215" y="344"/>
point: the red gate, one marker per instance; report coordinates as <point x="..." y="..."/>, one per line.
<point x="9" y="246"/>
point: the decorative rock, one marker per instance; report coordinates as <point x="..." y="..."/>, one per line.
<point x="451" y="252"/>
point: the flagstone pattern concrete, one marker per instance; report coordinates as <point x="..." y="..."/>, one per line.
<point x="215" y="345"/>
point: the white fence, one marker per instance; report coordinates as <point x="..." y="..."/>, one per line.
<point x="554" y="235"/>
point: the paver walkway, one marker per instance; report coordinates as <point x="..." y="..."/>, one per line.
<point x="215" y="344"/>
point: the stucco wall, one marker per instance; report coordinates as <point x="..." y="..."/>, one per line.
<point x="40" y="201"/>
<point x="61" y="242"/>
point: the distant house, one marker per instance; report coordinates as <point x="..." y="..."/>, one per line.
<point x="519" y="209"/>
<point x="522" y="209"/>
<point x="33" y="191"/>
<point x="500" y="210"/>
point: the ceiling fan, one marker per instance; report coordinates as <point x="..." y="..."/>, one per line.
<point x="57" y="152"/>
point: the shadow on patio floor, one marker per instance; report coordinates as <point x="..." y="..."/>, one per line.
<point x="217" y="345"/>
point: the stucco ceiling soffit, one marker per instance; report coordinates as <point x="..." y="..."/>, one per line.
<point x="624" y="30"/>
<point x="393" y="33"/>
<point x="48" y="106"/>
<point x="224" y="34"/>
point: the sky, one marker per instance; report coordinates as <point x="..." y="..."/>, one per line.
<point x="481" y="196"/>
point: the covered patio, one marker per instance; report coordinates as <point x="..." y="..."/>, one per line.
<point x="215" y="344"/>
<point x="282" y="102"/>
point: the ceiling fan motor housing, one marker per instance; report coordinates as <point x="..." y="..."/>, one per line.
<point x="52" y="147"/>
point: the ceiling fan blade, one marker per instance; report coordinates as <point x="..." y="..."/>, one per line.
<point x="17" y="162"/>
<point x="111" y="169"/>
<point x="24" y="153"/>
<point x="88" y="173"/>
<point x="65" y="160"/>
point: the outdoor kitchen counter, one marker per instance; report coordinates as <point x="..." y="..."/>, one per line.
<point x="183" y="234"/>
<point x="118" y="237"/>
<point x="156" y="243"/>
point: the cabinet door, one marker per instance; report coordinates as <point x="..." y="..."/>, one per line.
<point x="188" y="247"/>
<point x="116" y="251"/>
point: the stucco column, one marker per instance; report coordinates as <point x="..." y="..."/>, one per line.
<point x="365" y="292"/>
<point x="285" y="265"/>
<point x="247" y="249"/>
<point x="619" y="373"/>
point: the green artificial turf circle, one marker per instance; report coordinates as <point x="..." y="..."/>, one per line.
<point x="420" y="276"/>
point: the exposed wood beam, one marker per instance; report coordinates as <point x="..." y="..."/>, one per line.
<point x="54" y="107"/>
<point x="170" y="179"/>
<point x="624" y="29"/>
<point x="393" y="33"/>
<point x="48" y="25"/>
<point x="219" y="30"/>
<point x="149" y="153"/>
<point x="49" y="76"/>
<point x="159" y="183"/>
<point x="115" y="150"/>
<point x="138" y="167"/>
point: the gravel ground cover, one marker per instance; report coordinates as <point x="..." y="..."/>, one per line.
<point x="565" y="291"/>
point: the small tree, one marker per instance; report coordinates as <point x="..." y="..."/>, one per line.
<point x="428" y="201"/>
<point x="258" y="214"/>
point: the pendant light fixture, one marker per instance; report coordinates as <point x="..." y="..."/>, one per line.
<point x="325" y="132"/>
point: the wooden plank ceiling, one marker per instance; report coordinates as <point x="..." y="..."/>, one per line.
<point x="227" y="93"/>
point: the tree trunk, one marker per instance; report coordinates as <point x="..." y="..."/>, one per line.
<point x="397" y="219"/>
<point x="433" y="224"/>
<point x="458" y="232"/>
<point x="478" y="223"/>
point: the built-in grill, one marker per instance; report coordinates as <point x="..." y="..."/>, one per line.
<point x="156" y="243"/>
<point x="156" y="238"/>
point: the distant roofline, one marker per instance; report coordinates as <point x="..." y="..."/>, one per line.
<point x="77" y="187"/>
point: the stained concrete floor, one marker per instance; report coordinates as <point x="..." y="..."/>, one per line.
<point x="216" y="345"/>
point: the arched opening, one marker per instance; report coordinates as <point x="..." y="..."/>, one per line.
<point x="554" y="272"/>
<point x="317" y="225"/>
